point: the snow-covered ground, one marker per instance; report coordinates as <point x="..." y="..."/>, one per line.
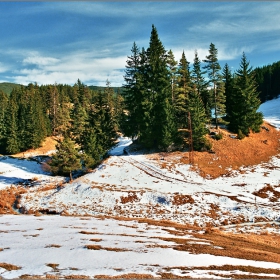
<point x="271" y="111"/>
<point x="134" y="186"/>
<point x="57" y="246"/>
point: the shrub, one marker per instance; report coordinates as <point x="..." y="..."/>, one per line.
<point x="219" y="136"/>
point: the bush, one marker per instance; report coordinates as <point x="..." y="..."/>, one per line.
<point x="219" y="136"/>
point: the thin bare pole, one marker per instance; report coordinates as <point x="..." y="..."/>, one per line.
<point x="191" y="157"/>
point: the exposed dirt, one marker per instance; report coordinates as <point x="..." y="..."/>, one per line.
<point x="10" y="199"/>
<point x="229" y="153"/>
<point x="47" y="146"/>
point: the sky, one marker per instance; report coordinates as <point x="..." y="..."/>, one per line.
<point x="61" y="42"/>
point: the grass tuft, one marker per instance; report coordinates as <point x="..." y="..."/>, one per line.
<point x="9" y="267"/>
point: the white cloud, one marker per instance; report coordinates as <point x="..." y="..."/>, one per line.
<point x="40" y="60"/>
<point x="70" y="68"/>
<point x="4" y="68"/>
<point x="126" y="9"/>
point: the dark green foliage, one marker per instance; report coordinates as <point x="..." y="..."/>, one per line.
<point x="200" y="85"/>
<point x="268" y="80"/>
<point x="219" y="136"/>
<point x="8" y="87"/>
<point x="79" y="119"/>
<point x="182" y="92"/>
<point x="215" y="80"/>
<point x="172" y="67"/>
<point x="11" y="139"/>
<point x="198" y="120"/>
<point x="99" y="131"/>
<point x="67" y="159"/>
<point x="228" y="82"/>
<point x="3" y="107"/>
<point x="149" y="89"/>
<point x="244" y="116"/>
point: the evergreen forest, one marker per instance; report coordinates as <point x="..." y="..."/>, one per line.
<point x="164" y="104"/>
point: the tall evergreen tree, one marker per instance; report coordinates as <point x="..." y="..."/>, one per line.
<point x="201" y="85"/>
<point x="246" y="101"/>
<point x="11" y="136"/>
<point x="198" y="120"/>
<point x="132" y="93"/>
<point x="228" y="81"/>
<point x="3" y="106"/>
<point x="67" y="158"/>
<point x="184" y="86"/>
<point x="172" y="66"/>
<point x="215" y="78"/>
<point x="53" y="104"/>
<point x="79" y="119"/>
<point x="158" y="89"/>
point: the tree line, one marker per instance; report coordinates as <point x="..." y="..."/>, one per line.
<point x="161" y="103"/>
<point x="85" y="121"/>
<point x="165" y="98"/>
<point x="268" y="80"/>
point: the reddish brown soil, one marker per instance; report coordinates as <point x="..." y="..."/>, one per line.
<point x="48" y="145"/>
<point x="230" y="153"/>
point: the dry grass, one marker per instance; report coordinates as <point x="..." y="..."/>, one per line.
<point x="265" y="193"/>
<point x="228" y="153"/>
<point x="93" y="247"/>
<point x="247" y="272"/>
<point x="96" y="239"/>
<point x="76" y="277"/>
<point x="28" y="276"/>
<point x="130" y="198"/>
<point x="9" y="267"/>
<point x="53" y="246"/>
<point x="9" y="198"/>
<point x="243" y="246"/>
<point x="88" y="232"/>
<point x="47" y="188"/>
<point x="48" y="145"/>
<point x="126" y="276"/>
<point x="180" y="199"/>
<point x="99" y="247"/>
<point x="54" y="266"/>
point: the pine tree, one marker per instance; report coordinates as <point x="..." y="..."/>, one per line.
<point x="172" y="67"/>
<point x="198" y="120"/>
<point x="11" y="138"/>
<point x="53" y="103"/>
<point x="67" y="159"/>
<point x="158" y="93"/>
<point x="220" y="100"/>
<point x="169" y="128"/>
<point x="215" y="78"/>
<point x="3" y="106"/>
<point x="63" y="119"/>
<point x="228" y="81"/>
<point x="184" y="86"/>
<point x="244" y="115"/>
<point x="200" y="85"/>
<point x="132" y="93"/>
<point x="213" y="68"/>
<point x="79" y="119"/>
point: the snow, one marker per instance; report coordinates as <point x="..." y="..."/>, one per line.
<point x="271" y="111"/>
<point x="133" y="186"/>
<point x="34" y="242"/>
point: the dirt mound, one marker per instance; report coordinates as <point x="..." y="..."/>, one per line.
<point x="230" y="153"/>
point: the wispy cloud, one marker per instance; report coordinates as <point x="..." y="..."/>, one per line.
<point x="63" y="41"/>
<point x="68" y="69"/>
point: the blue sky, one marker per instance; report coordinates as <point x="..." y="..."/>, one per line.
<point x="61" y="42"/>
